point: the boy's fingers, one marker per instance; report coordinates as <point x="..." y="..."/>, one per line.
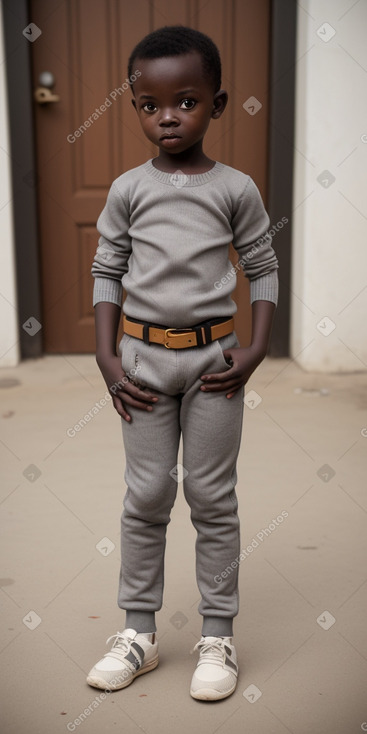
<point x="234" y="384"/>
<point x="135" y="403"/>
<point x="218" y="376"/>
<point x="118" y="405"/>
<point x="136" y="392"/>
<point x="121" y="410"/>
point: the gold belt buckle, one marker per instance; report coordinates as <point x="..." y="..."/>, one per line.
<point x="172" y="333"/>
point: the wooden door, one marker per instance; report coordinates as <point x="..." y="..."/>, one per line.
<point x="85" y="44"/>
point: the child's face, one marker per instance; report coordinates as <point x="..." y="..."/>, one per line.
<point x="173" y="98"/>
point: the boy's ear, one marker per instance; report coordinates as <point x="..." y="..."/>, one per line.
<point x="219" y="103"/>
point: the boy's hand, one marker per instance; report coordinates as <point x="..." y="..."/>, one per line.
<point x="244" y="363"/>
<point x="121" y="389"/>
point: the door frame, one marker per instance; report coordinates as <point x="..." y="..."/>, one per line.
<point x="283" y="26"/>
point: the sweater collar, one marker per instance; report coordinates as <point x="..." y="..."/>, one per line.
<point x="181" y="179"/>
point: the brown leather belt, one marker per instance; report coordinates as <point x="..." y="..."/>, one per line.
<point x="196" y="336"/>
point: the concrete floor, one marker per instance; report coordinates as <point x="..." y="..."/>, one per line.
<point x="301" y="632"/>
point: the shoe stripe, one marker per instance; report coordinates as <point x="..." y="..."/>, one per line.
<point x="134" y="660"/>
<point x="138" y="649"/>
<point x="230" y="663"/>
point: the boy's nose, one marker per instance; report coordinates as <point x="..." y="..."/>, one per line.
<point x="168" y="117"/>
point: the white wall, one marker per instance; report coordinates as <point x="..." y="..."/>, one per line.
<point x="9" y="338"/>
<point x="329" y="270"/>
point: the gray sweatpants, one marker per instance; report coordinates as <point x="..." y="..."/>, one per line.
<point x="211" y="427"/>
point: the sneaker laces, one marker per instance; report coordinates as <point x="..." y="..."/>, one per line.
<point x="121" y="646"/>
<point x="210" y="652"/>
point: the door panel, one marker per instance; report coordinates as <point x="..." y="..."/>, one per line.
<point x="86" y="45"/>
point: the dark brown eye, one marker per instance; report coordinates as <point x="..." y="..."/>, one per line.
<point x="188" y="103"/>
<point x="149" y="105"/>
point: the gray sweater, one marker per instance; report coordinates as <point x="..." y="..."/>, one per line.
<point x="165" y="239"/>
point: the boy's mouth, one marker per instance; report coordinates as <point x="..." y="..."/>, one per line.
<point x="169" y="136"/>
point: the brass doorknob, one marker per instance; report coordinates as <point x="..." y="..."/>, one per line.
<point x="43" y="94"/>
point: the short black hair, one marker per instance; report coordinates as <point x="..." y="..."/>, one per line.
<point x="176" y="40"/>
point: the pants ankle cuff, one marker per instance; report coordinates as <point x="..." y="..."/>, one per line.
<point x="140" y="621"/>
<point x="217" y="627"/>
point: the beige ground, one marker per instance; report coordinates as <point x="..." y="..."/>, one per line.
<point x="301" y="633"/>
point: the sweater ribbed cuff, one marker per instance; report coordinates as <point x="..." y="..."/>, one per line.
<point x="107" y="289"/>
<point x="265" y="288"/>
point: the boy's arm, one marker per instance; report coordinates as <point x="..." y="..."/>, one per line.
<point x="109" y="265"/>
<point x="260" y="264"/>
<point x="262" y="321"/>
<point x="107" y="318"/>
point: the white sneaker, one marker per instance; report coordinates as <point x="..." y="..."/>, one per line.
<point x="216" y="673"/>
<point x="131" y="655"/>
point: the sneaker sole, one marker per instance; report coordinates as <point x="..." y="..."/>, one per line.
<point x="208" y="694"/>
<point x="96" y="682"/>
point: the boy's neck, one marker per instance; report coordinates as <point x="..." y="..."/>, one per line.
<point x="191" y="161"/>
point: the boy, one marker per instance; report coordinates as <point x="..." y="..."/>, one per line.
<point x="166" y="228"/>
